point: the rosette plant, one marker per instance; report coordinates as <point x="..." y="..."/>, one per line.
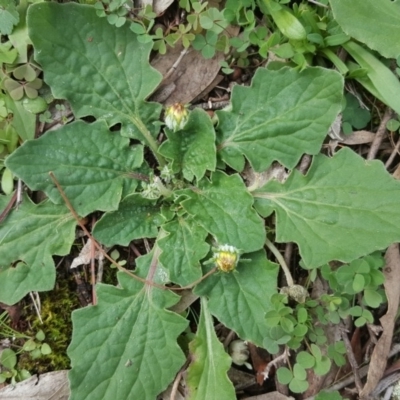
<point x="186" y="195"/>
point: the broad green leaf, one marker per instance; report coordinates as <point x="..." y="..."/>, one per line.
<point x="282" y="115"/>
<point x="125" y="346"/>
<point x="380" y="80"/>
<point x="344" y="208"/>
<point x="135" y="218"/>
<point x="207" y="375"/>
<point x="192" y="149"/>
<point x="100" y="70"/>
<point x="375" y="23"/>
<point x="223" y="206"/>
<point x="182" y="249"/>
<point x="29" y="236"/>
<point x="91" y="164"/>
<point x="240" y="299"/>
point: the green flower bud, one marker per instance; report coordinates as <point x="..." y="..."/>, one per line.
<point x="176" y="116"/>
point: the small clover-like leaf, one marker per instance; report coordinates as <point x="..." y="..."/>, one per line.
<point x="282" y="115"/>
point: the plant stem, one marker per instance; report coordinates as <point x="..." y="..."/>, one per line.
<point x="151" y="142"/>
<point x="161" y="187"/>
<point x="281" y="262"/>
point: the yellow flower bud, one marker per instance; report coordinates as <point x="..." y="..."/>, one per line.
<point x="226" y="258"/>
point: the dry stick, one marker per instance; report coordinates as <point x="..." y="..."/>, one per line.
<point x="120" y="268"/>
<point x="93" y="271"/>
<point x="287" y="255"/>
<point x="175" y="65"/>
<point x="380" y="133"/>
<point x="9" y="206"/>
<point x="393" y="155"/>
<point x="352" y="360"/>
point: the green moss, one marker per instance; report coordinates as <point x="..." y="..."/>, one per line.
<point x="56" y="308"/>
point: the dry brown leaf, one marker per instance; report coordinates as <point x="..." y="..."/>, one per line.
<point x="358" y="137"/>
<point x="396" y="173"/>
<point x="49" y="386"/>
<point x="191" y="75"/>
<point x="159" y="6"/>
<point x="270" y="396"/>
<point x="380" y="354"/>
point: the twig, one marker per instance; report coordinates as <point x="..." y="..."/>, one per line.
<point x="380" y="133"/>
<point x="283" y="357"/>
<point x="36" y="304"/>
<point x="318" y="3"/>
<point x="9" y="206"/>
<point x="93" y="271"/>
<point x="175" y="65"/>
<point x="287" y="255"/>
<point x="352" y="359"/>
<point x="281" y="261"/>
<point x="393" y="155"/>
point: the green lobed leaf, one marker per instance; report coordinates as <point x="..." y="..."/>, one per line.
<point x="207" y="374"/>
<point x="182" y="249"/>
<point x="240" y="299"/>
<point x="192" y="149"/>
<point x="135" y="218"/>
<point x="91" y="164"/>
<point x="377" y="24"/>
<point x="125" y="346"/>
<point x="29" y="236"/>
<point x="223" y="206"/>
<point x="344" y="208"/>
<point x="8" y="16"/>
<point x="100" y="70"/>
<point x="282" y="115"/>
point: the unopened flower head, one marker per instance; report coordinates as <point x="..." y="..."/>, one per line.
<point x="176" y="116"/>
<point x="226" y="257"/>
